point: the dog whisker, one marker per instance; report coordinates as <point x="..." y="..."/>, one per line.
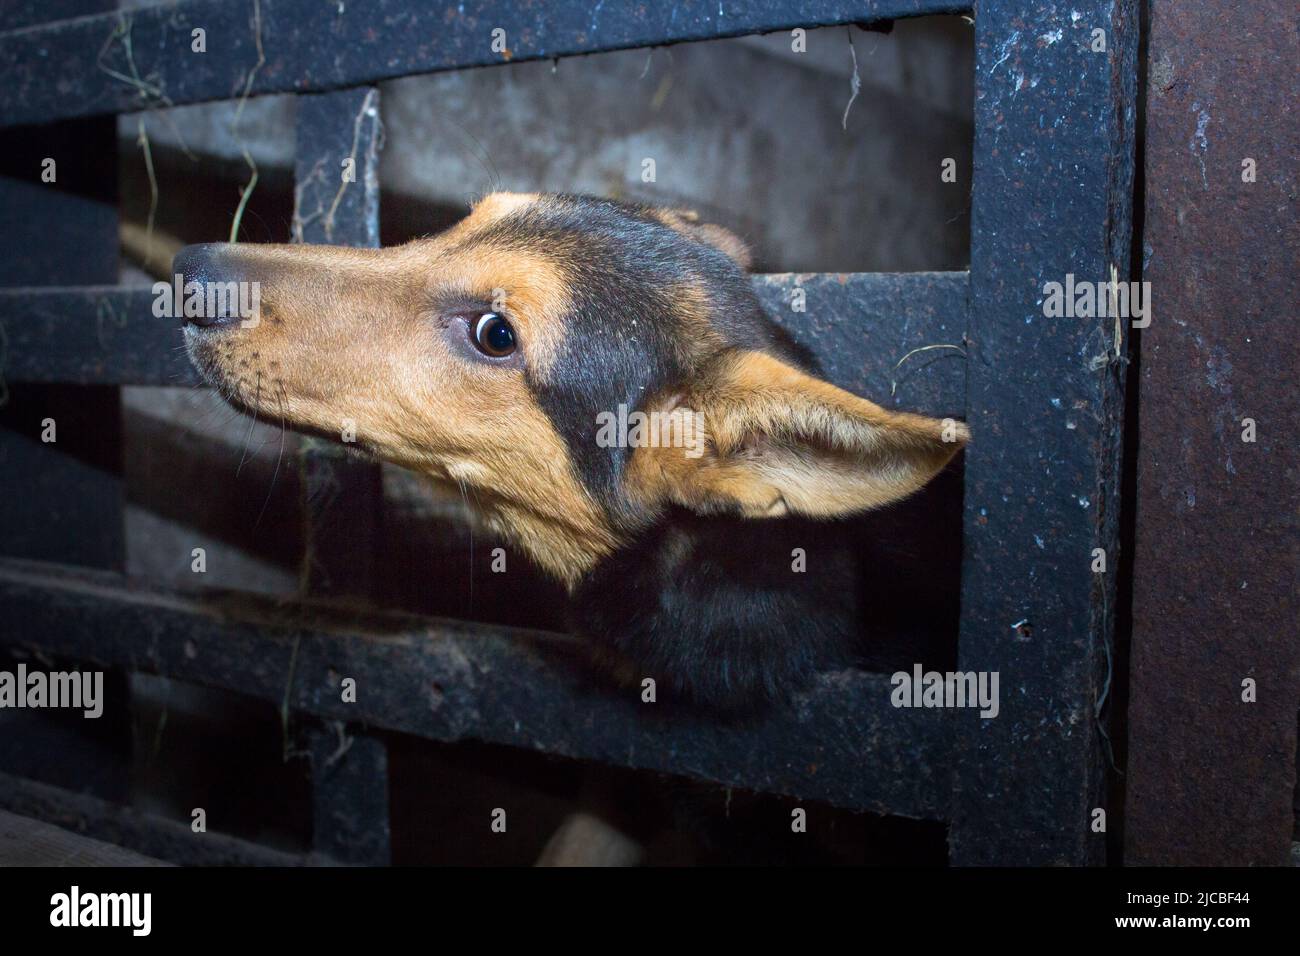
<point x="257" y="401"/>
<point x="278" y="459"/>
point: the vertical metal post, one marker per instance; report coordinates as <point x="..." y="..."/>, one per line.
<point x="337" y="202"/>
<point x="1212" y="759"/>
<point x="1052" y="196"/>
<point x="349" y="795"/>
<point x="61" y="445"/>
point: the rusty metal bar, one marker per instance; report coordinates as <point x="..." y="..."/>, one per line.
<point x="1210" y="774"/>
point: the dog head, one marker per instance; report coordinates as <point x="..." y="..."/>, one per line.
<point x="579" y="364"/>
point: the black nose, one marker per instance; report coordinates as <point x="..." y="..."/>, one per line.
<point x="203" y="264"/>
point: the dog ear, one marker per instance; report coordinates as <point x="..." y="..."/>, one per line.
<point x="773" y="440"/>
<point x="687" y="222"/>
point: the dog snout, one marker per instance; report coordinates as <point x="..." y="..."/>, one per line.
<point x="206" y="265"/>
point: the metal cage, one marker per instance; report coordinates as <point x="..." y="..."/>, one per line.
<point x="1052" y="194"/>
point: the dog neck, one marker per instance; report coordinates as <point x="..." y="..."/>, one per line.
<point x="723" y="610"/>
<point x="568" y="548"/>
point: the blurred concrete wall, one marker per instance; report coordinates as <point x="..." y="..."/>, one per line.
<point x="746" y="131"/>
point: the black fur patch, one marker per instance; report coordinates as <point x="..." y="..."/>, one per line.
<point x="710" y="607"/>
<point x="622" y="342"/>
<point x="712" y="610"/>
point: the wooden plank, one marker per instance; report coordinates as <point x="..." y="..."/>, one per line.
<point x="63" y="70"/>
<point x="1211" y="776"/>
<point x="28" y="842"/>
<point x="1052" y="196"/>
<point x="842" y="743"/>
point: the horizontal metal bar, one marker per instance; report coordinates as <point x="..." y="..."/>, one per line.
<point x="842" y="743"/>
<point x="143" y="832"/>
<point x="86" y="66"/>
<point x="858" y="325"/>
<point x="91" y="335"/>
<point x="896" y="338"/>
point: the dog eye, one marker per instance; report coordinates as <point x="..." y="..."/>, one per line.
<point x="492" y="335"/>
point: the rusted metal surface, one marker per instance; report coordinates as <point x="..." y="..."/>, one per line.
<point x="332" y="128"/>
<point x="842" y="743"/>
<point x="1210" y="776"/>
<point x="63" y="69"/>
<point x="26" y="13"/>
<point x="1052" y="196"/>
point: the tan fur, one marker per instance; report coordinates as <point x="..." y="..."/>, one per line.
<point x="781" y="441"/>
<point x="686" y="221"/>
<point x="346" y="340"/>
<point x="698" y="340"/>
<point x="495" y="205"/>
<point x="535" y="293"/>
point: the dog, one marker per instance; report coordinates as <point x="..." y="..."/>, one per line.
<point x="497" y="355"/>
